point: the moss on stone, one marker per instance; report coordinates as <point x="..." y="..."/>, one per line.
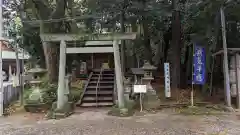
<point x="48" y="97"/>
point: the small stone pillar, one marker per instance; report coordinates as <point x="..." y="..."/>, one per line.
<point x="232" y="77"/>
<point x="10" y="73"/>
<point x="67" y="87"/>
<point x="74" y="70"/>
<point x="238" y="78"/>
<point x="127" y="88"/>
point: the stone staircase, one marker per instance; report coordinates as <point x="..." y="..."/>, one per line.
<point x="104" y="95"/>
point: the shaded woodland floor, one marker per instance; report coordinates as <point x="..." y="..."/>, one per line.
<point x="183" y="96"/>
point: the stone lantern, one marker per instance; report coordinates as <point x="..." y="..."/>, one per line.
<point x="150" y="100"/>
<point x="148" y="75"/>
<point x="35" y="100"/>
<point x="36" y="73"/>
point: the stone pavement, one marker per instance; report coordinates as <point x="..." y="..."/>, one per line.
<point x="98" y="123"/>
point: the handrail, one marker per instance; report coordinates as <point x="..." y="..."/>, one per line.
<point x="85" y="87"/>
<point x="98" y="85"/>
<point x="115" y="90"/>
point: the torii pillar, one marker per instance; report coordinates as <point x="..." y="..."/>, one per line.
<point x="62" y="98"/>
<point x="119" y="74"/>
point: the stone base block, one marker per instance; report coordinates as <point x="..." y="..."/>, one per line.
<point x="36" y="108"/>
<point x="64" y="112"/>
<point x="151" y="100"/>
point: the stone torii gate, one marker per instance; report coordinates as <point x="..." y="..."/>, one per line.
<point x="62" y="38"/>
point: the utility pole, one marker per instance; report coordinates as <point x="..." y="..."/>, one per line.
<point x="1" y="74"/>
<point x="225" y="60"/>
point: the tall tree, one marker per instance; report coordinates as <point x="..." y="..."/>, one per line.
<point x="47" y="10"/>
<point x="175" y="45"/>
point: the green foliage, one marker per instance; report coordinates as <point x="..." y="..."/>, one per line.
<point x="45" y="97"/>
<point x="36" y="96"/>
<point x="75" y="95"/>
<point x="48" y="93"/>
<point x="200" y="22"/>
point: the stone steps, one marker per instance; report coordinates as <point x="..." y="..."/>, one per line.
<point x="105" y="92"/>
<point x="99" y="104"/>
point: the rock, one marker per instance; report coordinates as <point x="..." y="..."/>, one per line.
<point x="124" y="111"/>
<point x="228" y="109"/>
<point x="66" y="111"/>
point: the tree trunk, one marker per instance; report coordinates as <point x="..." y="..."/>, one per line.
<point x="18" y="76"/>
<point x="159" y="53"/>
<point x="134" y="29"/>
<point x="50" y="50"/>
<point x="167" y="37"/>
<point x="175" y="46"/>
<point x="122" y="48"/>
<point x="51" y="57"/>
<point x="147" y="45"/>
<point x="146" y="35"/>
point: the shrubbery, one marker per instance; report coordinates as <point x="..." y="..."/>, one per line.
<point x="45" y="95"/>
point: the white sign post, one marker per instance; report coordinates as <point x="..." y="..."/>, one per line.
<point x="167" y="80"/>
<point x="140" y="89"/>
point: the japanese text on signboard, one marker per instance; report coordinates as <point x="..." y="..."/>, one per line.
<point x="167" y="80"/>
<point x="199" y="65"/>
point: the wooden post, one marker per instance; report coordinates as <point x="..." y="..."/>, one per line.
<point x="62" y="98"/>
<point x="238" y="78"/>
<point x="1" y="62"/>
<point x="225" y="60"/>
<point x="123" y="57"/>
<point x="9" y="72"/>
<point x="118" y="72"/>
<point x="92" y="59"/>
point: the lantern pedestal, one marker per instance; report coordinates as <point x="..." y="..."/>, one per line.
<point x="150" y="99"/>
<point x="67" y="108"/>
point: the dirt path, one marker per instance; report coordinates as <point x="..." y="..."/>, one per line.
<point x="98" y="123"/>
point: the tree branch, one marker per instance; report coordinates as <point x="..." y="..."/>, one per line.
<point x="60" y="9"/>
<point x="42" y="8"/>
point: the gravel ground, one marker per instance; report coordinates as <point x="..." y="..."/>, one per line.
<point x="98" y="123"/>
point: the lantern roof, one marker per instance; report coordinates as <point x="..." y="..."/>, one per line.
<point x="148" y="66"/>
<point x="37" y="69"/>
